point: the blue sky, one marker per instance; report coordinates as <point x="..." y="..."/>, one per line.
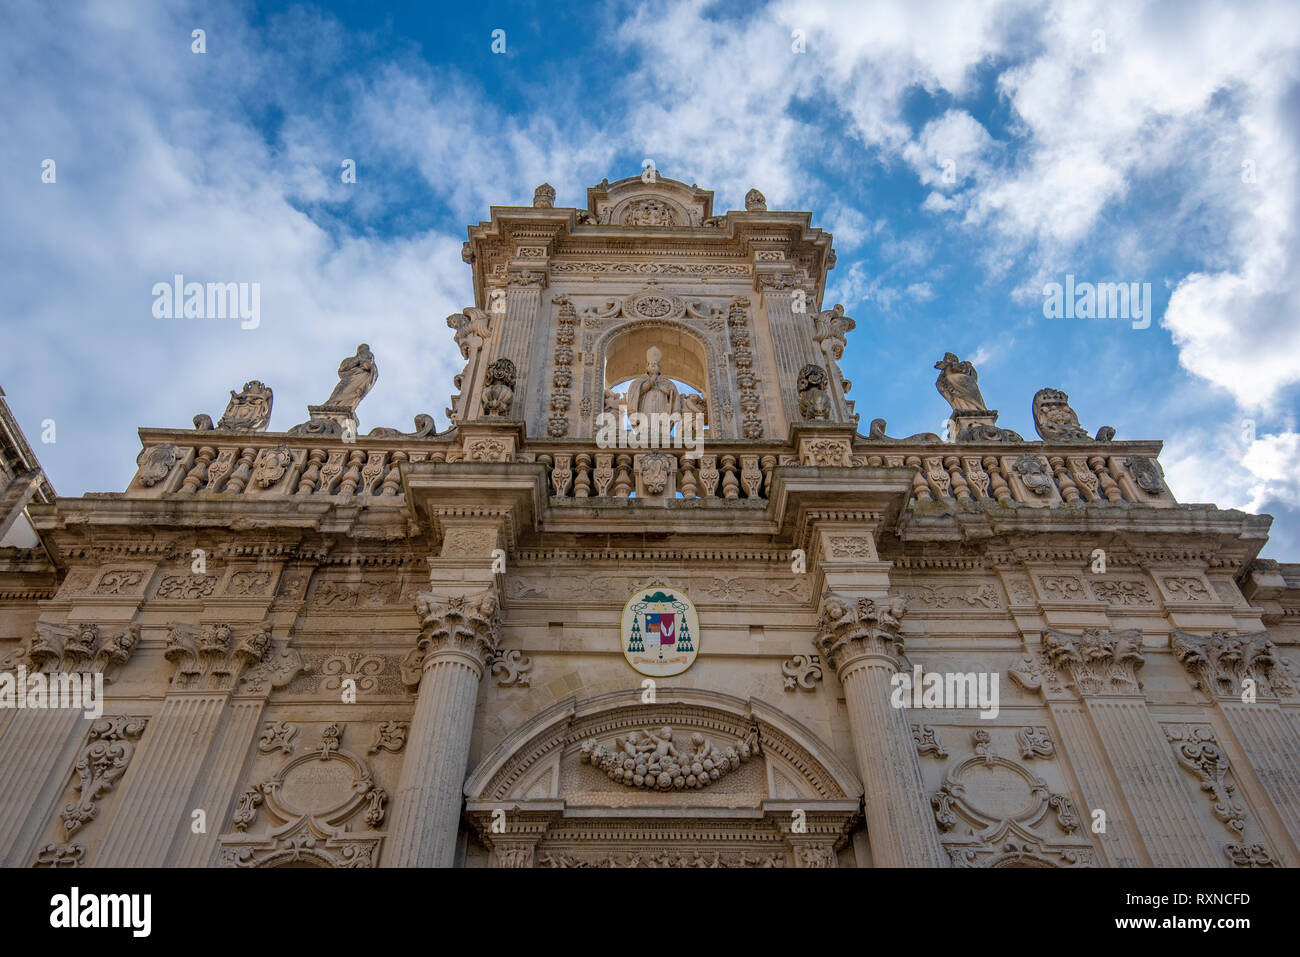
<point x="1105" y="141"/>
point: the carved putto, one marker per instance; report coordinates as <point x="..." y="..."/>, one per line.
<point x="472" y="326"/>
<point x="649" y="759"/>
<point x="830" y="326"/>
<point x="958" y="382"/>
<point x="249" y="410"/>
<point x="500" y="390"/>
<point x="814" y="400"/>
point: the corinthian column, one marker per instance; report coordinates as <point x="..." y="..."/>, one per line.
<point x="860" y="639"/>
<point x="457" y="636"/>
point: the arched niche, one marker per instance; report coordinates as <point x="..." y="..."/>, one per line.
<point x="558" y="803"/>
<point x="687" y="356"/>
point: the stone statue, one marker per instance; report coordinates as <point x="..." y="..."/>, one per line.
<point x="357" y="374"/>
<point x="653" y="393"/>
<point x="830" y="326"/>
<point x="958" y="382"/>
<point x="472" y="328"/>
<point x="248" y="411"/>
<point x="814" y="400"/>
<point x="544" y="196"/>
<point x="500" y="390"/>
<point x="755" y="202"/>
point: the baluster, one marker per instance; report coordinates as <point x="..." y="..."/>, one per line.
<point x="690" y="488"/>
<point x="730" y="484"/>
<point x="582" y="484"/>
<point x="353" y="476"/>
<point x="750" y="476"/>
<point x="199" y="472"/>
<point x="768" y="463"/>
<point x="959" y="487"/>
<point x="623" y="477"/>
<point x="976" y="477"/>
<point x="311" y="474"/>
<point x="393" y="480"/>
<point x="331" y="472"/>
<point x="604" y="474"/>
<point x="242" y="472"/>
<point x="1001" y="491"/>
<point x="1069" y="491"/>
<point x="546" y="461"/>
<point x="372" y="472"/>
<point x="919" y="486"/>
<point x="709" y="475"/>
<point x="937" y="476"/>
<point x="562" y="475"/>
<point x="1108" y="484"/>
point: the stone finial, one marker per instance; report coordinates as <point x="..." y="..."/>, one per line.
<point x="755" y="201"/>
<point x="814" y="400"/>
<point x="499" y="393"/>
<point x="544" y="196"/>
<point x="1055" y="421"/>
<point x="249" y="410"/>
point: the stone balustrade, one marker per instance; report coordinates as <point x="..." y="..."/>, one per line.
<point x="178" y="464"/>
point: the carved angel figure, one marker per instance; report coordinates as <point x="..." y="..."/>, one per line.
<point x="472" y="328"/>
<point x="357" y="374"/>
<point x="958" y="382"/>
<point x="830" y="326"/>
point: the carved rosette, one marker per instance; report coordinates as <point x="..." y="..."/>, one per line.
<point x="849" y="629"/>
<point x="1097" y="661"/>
<point x="466" y="624"/>
<point x="1222" y="664"/>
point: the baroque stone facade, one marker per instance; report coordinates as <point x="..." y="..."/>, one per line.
<point x="511" y="643"/>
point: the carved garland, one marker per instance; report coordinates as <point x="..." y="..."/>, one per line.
<point x="562" y="378"/>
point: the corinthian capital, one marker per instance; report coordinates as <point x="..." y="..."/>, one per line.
<point x="850" y="628"/>
<point x="1222" y="662"/>
<point x="214" y="656"/>
<point x="1097" y="661"/>
<point x="85" y="648"/>
<point x="467" y="623"/>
